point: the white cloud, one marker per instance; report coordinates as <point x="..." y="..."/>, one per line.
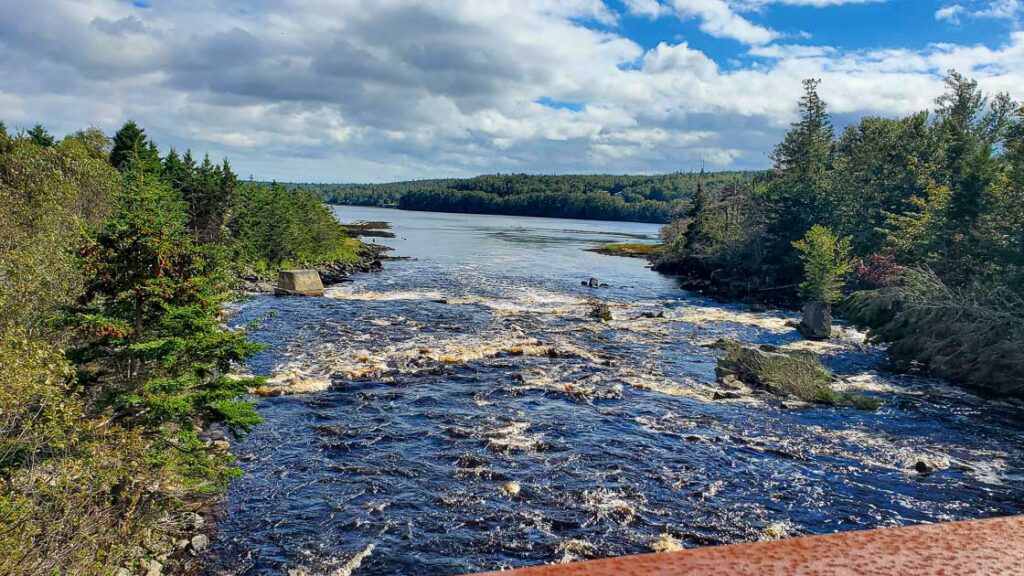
<point x="818" y="3"/>
<point x="648" y="8"/>
<point x="718" y="19"/>
<point x="346" y="90"/>
<point x="950" y="13"/>
<point x="1001" y="9"/>
<point x="1011" y="10"/>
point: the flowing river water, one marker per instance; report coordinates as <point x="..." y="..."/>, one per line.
<point x="460" y="412"/>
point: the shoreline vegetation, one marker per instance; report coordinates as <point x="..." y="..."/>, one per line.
<point x="630" y="250"/>
<point x="655" y="199"/>
<point x="913" y="226"/>
<point x="118" y="392"/>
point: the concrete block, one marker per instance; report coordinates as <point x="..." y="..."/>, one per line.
<point x="299" y="283"/>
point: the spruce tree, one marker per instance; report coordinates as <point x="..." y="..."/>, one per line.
<point x="150" y="330"/>
<point x="133" y="147"/>
<point x="798" y="183"/>
<point x="40" y="137"/>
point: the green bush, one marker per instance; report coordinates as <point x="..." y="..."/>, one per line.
<point x="971" y="335"/>
<point x="826" y="260"/>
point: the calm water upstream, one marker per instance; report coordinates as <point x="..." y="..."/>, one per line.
<point x="463" y="413"/>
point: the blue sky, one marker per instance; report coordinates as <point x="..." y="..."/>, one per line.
<point x="350" y="90"/>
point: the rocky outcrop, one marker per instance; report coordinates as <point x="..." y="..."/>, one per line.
<point x="371" y="257"/>
<point x="786" y="373"/>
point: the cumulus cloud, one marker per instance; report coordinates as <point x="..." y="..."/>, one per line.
<point x="1010" y="10"/>
<point x="345" y="90"/>
<point x="718" y="19"/>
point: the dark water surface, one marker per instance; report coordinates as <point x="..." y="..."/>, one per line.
<point x="471" y="417"/>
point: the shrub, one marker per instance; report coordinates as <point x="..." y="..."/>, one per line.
<point x="826" y="260"/>
<point x="971" y="335"/>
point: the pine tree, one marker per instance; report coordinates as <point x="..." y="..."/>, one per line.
<point x="133" y="148"/>
<point x="40" y="137"/>
<point x="797" y="192"/>
<point x="150" y="330"/>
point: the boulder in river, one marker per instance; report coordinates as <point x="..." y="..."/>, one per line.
<point x="199" y="543"/>
<point x="787" y="373"/>
<point x="929" y="464"/>
<point x="601" y="311"/>
<point x="816" y="321"/>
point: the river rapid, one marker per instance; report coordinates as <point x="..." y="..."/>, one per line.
<point x="461" y="412"/>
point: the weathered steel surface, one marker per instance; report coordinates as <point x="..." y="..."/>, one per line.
<point x="299" y="282"/>
<point x="989" y="547"/>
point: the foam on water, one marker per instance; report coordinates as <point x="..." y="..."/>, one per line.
<point x="462" y="412"/>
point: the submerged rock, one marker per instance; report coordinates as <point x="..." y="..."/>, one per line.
<point x="775" y="531"/>
<point x="601" y="311"/>
<point x="511" y="488"/>
<point x="929" y="464"/>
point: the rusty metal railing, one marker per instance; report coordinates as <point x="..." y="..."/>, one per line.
<point x="989" y="547"/>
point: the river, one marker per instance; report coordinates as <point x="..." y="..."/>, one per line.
<point x="462" y="413"/>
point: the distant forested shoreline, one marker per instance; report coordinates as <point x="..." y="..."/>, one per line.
<point x="655" y="198"/>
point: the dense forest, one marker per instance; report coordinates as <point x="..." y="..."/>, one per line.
<point x="116" y="385"/>
<point x="597" y="197"/>
<point x="914" y="225"/>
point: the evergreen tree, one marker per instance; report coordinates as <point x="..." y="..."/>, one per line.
<point x="133" y="148"/>
<point x="40" y="137"/>
<point x="149" y="321"/>
<point x="797" y="191"/>
<point x="826" y="260"/>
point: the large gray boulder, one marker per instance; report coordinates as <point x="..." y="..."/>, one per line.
<point x="816" y="322"/>
<point x="299" y="283"/>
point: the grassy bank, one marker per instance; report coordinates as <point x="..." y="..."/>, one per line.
<point x="629" y="249"/>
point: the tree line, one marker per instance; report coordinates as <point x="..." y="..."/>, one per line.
<point x="658" y="198"/>
<point x="915" y="225"/>
<point x="115" y="365"/>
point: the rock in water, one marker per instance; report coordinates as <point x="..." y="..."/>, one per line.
<point x="928" y="464"/>
<point x="666" y="543"/>
<point x="816" y="323"/>
<point x="601" y="311"/>
<point x="299" y="283"/>
<point x="511" y="488"/>
<point x="200" y="542"/>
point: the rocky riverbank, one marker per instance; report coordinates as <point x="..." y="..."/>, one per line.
<point x="371" y="258"/>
